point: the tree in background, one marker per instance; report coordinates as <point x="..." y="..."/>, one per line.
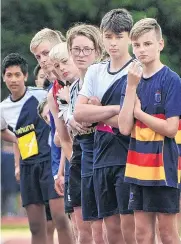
<point x="22" y="19"/>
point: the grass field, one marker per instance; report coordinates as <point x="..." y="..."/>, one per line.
<point x="16" y="232"/>
<point x="15" y="235"/>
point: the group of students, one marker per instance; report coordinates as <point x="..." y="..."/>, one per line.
<point x="115" y="118"/>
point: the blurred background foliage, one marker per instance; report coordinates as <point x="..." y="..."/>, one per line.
<point x="21" y="19"/>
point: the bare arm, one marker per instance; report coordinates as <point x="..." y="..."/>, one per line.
<point x="168" y="127"/>
<point x="62" y="164"/>
<point x="126" y="115"/>
<point x="16" y="161"/>
<point x="59" y="181"/>
<point x="85" y="112"/>
<point x="65" y="140"/>
<point x="56" y="139"/>
<point x="113" y="122"/>
<point x="9" y="136"/>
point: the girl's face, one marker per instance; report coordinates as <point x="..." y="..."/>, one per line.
<point x="83" y="52"/>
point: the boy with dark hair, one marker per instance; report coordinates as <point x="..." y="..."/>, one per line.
<point x="105" y="81"/>
<point x="19" y="111"/>
<point x="150" y="112"/>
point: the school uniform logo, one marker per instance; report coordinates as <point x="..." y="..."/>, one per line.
<point x="158" y="97"/>
<point x="131" y="197"/>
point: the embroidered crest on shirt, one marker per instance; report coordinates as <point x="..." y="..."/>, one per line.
<point x="158" y="96"/>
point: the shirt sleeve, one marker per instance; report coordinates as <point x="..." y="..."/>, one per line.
<point x="87" y="88"/>
<point x="173" y="97"/>
<point x="4" y="125"/>
<point x="40" y="95"/>
<point x="123" y="92"/>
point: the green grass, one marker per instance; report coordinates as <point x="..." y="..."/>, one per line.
<point x="14" y="227"/>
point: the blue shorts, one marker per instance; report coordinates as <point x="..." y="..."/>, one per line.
<point x="75" y="184"/>
<point x="161" y="199"/>
<point x="87" y="148"/>
<point x="67" y="201"/>
<point x="112" y="194"/>
<point x="88" y="200"/>
<point x="36" y="183"/>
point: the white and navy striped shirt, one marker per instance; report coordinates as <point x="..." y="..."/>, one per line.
<point x="74" y="91"/>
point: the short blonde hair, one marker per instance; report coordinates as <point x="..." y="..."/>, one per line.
<point x="46" y="34"/>
<point x="91" y="32"/>
<point x="58" y="52"/>
<point x="143" y="26"/>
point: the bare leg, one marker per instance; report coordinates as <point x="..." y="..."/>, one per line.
<point x="128" y="233"/>
<point x="37" y="223"/>
<point x="97" y="231"/>
<point x="168" y="228"/>
<point x="145" y="227"/>
<point x="113" y="228"/>
<point x="74" y="227"/>
<point x="84" y="228"/>
<point x="179" y="220"/>
<point x="50" y="231"/>
<point x="104" y="233"/>
<point x="158" y="239"/>
<point x="61" y="220"/>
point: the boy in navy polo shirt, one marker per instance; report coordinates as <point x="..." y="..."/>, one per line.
<point x="150" y="112"/>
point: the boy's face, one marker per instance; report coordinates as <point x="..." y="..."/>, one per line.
<point x="45" y="114"/>
<point x="147" y="47"/>
<point x="40" y="78"/>
<point x="116" y="45"/>
<point x="66" y="69"/>
<point x="14" y="79"/>
<point x="83" y="52"/>
<point x="41" y="53"/>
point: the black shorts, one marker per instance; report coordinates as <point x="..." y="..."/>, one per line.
<point x="75" y="185"/>
<point x="36" y="183"/>
<point x="67" y="201"/>
<point x="48" y="211"/>
<point x="159" y="199"/>
<point x="88" y="200"/>
<point x="112" y="194"/>
<point x="76" y="152"/>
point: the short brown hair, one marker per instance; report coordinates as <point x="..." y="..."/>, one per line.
<point x="143" y="26"/>
<point x="117" y="21"/>
<point x="46" y="34"/>
<point x="91" y="32"/>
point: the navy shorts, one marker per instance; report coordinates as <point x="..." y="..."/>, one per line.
<point x="36" y="183"/>
<point x="88" y="200"/>
<point x="48" y="211"/>
<point x="75" y="184"/>
<point x="161" y="199"/>
<point x="112" y="194"/>
<point x="67" y="201"/>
